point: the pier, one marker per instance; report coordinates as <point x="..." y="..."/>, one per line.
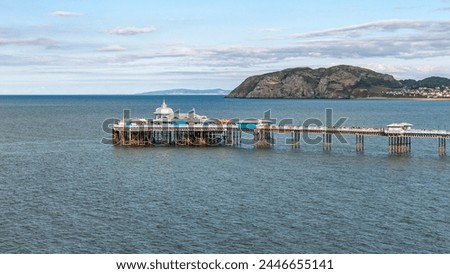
<point x="398" y="142"/>
<point x="175" y="129"/>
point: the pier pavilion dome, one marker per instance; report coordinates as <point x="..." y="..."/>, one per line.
<point x="164" y="112"/>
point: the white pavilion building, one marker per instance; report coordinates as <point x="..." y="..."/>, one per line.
<point x="165" y="114"/>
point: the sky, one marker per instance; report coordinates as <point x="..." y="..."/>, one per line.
<point x="127" y="47"/>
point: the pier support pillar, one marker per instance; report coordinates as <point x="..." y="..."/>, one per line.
<point x="261" y="138"/>
<point x="389" y="144"/>
<point x="327" y="137"/>
<point x="295" y="139"/>
<point x="230" y="136"/>
<point x="359" y="143"/>
<point x="235" y="137"/>
<point x="442" y="146"/>
<point x="408" y="144"/>
<point x="399" y="145"/>
<point x="240" y="137"/>
<point x="115" y="135"/>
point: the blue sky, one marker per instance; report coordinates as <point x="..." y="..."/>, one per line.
<point x="122" y="47"/>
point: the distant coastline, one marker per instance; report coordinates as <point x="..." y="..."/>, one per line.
<point x="183" y="91"/>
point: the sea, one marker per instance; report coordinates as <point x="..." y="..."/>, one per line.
<point x="65" y="189"/>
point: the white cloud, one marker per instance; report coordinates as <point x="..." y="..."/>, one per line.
<point x="269" y="30"/>
<point x="132" y="30"/>
<point x="408" y="70"/>
<point x="112" y="48"/>
<point x="443" y="9"/>
<point x="28" y="42"/>
<point x="380" y="26"/>
<point x="403" y="68"/>
<point x="403" y="39"/>
<point x="61" y="13"/>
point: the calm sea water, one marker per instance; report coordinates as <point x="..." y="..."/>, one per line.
<point x="63" y="191"/>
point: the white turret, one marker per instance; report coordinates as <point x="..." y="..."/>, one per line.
<point x="164" y="112"/>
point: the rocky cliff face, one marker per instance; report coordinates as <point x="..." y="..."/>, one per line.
<point x="332" y="83"/>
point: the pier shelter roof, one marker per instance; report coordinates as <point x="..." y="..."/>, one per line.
<point x="399" y="126"/>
